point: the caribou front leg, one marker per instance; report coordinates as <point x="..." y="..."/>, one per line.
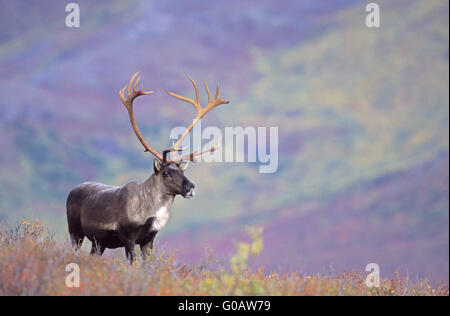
<point x="147" y="245"/>
<point x="97" y="249"/>
<point x="129" y="251"/>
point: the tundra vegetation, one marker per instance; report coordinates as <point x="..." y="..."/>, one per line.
<point x="32" y="262"/>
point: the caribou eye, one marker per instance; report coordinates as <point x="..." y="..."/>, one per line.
<point x="165" y="174"/>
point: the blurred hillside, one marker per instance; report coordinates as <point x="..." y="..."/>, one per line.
<point x="363" y="117"/>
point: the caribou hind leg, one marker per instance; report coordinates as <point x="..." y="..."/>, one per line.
<point x="75" y="231"/>
<point x="73" y="209"/>
<point x="77" y="240"/>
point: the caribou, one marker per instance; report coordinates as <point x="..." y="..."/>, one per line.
<point x="113" y="217"/>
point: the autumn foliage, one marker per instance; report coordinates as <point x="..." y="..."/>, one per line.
<point x="32" y="262"/>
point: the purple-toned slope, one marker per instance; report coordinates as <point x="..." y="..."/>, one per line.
<point x="377" y="222"/>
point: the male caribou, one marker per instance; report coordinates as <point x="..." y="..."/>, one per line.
<point x="113" y="217"/>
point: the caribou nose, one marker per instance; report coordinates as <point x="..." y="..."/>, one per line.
<point x="189" y="189"/>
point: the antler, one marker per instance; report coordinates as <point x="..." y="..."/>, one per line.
<point x="132" y="93"/>
<point x="128" y="102"/>
<point x="192" y="156"/>
<point x="201" y="111"/>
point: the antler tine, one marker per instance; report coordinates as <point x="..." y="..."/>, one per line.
<point x="216" y="102"/>
<point x="193" y="156"/>
<point x="131" y="83"/>
<point x="195" y="103"/>
<point x="165" y="152"/>
<point x="175" y="150"/>
<point x="135" y="85"/>
<point x="128" y="103"/>
<point x="217" y="91"/>
<point x="197" y="100"/>
<point x="207" y="91"/>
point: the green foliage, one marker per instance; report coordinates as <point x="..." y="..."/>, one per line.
<point x="239" y="261"/>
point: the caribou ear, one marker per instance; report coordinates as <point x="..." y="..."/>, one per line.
<point x="157" y="165"/>
<point x="183" y="165"/>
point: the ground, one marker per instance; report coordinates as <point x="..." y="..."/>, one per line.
<point x="32" y="262"/>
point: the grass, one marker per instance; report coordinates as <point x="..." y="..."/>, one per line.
<point x="32" y="262"/>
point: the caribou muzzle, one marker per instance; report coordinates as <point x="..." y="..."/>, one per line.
<point x="188" y="190"/>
